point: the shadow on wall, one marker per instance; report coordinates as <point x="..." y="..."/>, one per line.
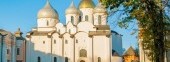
<point x="39" y="56"/>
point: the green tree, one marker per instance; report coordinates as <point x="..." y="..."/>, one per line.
<point x="152" y="19"/>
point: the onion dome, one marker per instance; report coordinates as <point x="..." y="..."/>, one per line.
<point x="100" y="9"/>
<point x="72" y="9"/>
<point x="48" y="12"/>
<point x="86" y="4"/>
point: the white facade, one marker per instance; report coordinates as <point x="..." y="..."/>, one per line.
<point x="82" y="39"/>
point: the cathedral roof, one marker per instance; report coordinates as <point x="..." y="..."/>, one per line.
<point x="100" y="8"/>
<point x="86" y="4"/>
<point x="130" y="52"/>
<point x="72" y="9"/>
<point x="47" y="12"/>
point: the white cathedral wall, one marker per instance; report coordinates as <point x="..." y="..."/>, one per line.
<point x="60" y="28"/>
<point x="46" y="29"/>
<point x="68" y="47"/>
<point x="89" y="12"/>
<point x="103" y="18"/>
<point x="41" y="49"/>
<point x="102" y="48"/>
<point x="46" y="22"/>
<point x="71" y="28"/>
<point x="85" y="27"/>
<point x="57" y="49"/>
<point x="83" y="41"/>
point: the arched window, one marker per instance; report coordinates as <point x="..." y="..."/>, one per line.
<point x="39" y="59"/>
<point x="69" y="30"/>
<point x="99" y="59"/>
<point x="72" y="19"/>
<point x="99" y="19"/>
<point x="59" y="31"/>
<point x="18" y="51"/>
<point x="83" y="53"/>
<point x="86" y="18"/>
<point x="47" y="23"/>
<point x="66" y="59"/>
<point x="55" y="59"/>
<point x="80" y="18"/>
<point x="54" y="41"/>
<point x="66" y="42"/>
<point x="82" y="61"/>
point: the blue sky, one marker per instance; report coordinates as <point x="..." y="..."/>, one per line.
<point x="23" y="14"/>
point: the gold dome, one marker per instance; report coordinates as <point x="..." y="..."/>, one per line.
<point x="72" y="9"/>
<point x="86" y="4"/>
<point x="48" y="12"/>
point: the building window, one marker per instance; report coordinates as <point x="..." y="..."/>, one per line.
<point x="18" y="60"/>
<point x="54" y="41"/>
<point x="99" y="59"/>
<point x="86" y="18"/>
<point x="66" y="59"/>
<point x="55" y="59"/>
<point x="18" y="51"/>
<point x="47" y="23"/>
<point x="69" y="30"/>
<point x="99" y="19"/>
<point x="59" y="31"/>
<point x="76" y="41"/>
<point x="66" y="42"/>
<point x="7" y="51"/>
<point x="82" y="61"/>
<point x="43" y="42"/>
<point x="8" y="60"/>
<point x="80" y="18"/>
<point x="38" y="59"/>
<point x="72" y="19"/>
<point x="83" y="53"/>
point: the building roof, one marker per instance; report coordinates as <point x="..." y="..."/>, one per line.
<point x="48" y="12"/>
<point x="102" y="27"/>
<point x="86" y="4"/>
<point x="72" y="9"/>
<point x="130" y="52"/>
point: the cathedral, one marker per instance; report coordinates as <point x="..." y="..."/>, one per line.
<point x="86" y="37"/>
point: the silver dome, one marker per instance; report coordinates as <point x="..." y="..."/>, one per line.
<point x="72" y="9"/>
<point x="100" y="9"/>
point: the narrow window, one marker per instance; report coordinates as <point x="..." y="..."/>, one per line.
<point x="55" y="59"/>
<point x="99" y="59"/>
<point x="83" y="53"/>
<point x="66" y="42"/>
<point x="47" y="23"/>
<point x="59" y="31"/>
<point x="99" y="19"/>
<point x="8" y="60"/>
<point x="54" y="41"/>
<point x="86" y="18"/>
<point x="18" y="51"/>
<point x="7" y="51"/>
<point x="80" y="18"/>
<point x="76" y="41"/>
<point x="72" y="19"/>
<point x="69" y="30"/>
<point x="43" y="42"/>
<point x="66" y="59"/>
<point x="39" y="59"/>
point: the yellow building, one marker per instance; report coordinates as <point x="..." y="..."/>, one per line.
<point x="130" y="55"/>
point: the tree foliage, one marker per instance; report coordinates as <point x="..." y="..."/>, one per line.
<point x="152" y="21"/>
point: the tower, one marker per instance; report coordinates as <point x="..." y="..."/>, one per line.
<point x="72" y="14"/>
<point x="47" y="17"/>
<point x="87" y="7"/>
<point x="100" y="15"/>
